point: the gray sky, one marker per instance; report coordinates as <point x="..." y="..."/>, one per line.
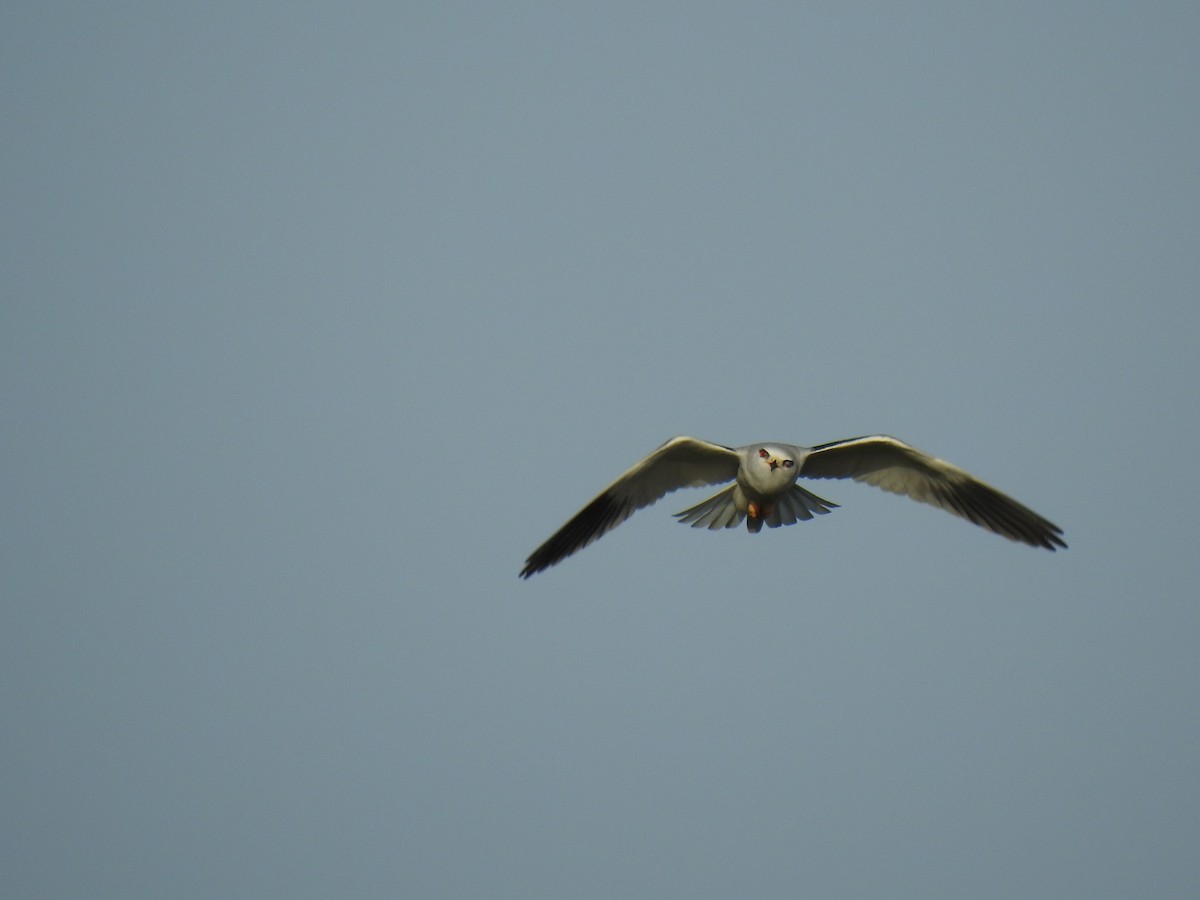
<point x="318" y="318"/>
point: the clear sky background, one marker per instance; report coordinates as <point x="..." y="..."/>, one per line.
<point x="317" y="318"/>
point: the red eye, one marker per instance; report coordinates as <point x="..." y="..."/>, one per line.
<point x="763" y="453"/>
<point x="787" y="463"/>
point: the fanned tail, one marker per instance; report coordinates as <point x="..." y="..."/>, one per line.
<point x="797" y="505"/>
<point x="718" y="511"/>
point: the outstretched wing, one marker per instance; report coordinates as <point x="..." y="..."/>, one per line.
<point x="895" y="466"/>
<point x="680" y="462"/>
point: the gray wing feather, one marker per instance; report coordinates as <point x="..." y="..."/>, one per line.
<point x="680" y="462"/>
<point x="893" y="465"/>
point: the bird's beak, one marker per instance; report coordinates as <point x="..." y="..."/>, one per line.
<point x="774" y="464"/>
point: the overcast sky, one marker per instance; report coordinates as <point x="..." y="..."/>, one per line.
<point x="318" y="318"/>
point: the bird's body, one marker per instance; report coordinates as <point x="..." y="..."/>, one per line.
<point x="764" y="490"/>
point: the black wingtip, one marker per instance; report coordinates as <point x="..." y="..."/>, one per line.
<point x="1054" y="540"/>
<point x="587" y="525"/>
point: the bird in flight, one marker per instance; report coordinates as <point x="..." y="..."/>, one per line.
<point x="764" y="490"/>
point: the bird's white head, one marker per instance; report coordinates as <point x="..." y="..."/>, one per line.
<point x="771" y="469"/>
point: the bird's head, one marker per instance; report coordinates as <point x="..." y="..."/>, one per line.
<point x="772" y="468"/>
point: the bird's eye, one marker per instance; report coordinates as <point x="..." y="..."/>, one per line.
<point x="763" y="453"/>
<point x="787" y="463"/>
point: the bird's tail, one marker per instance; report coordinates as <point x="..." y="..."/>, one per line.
<point x="718" y="511"/>
<point x="797" y="505"/>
